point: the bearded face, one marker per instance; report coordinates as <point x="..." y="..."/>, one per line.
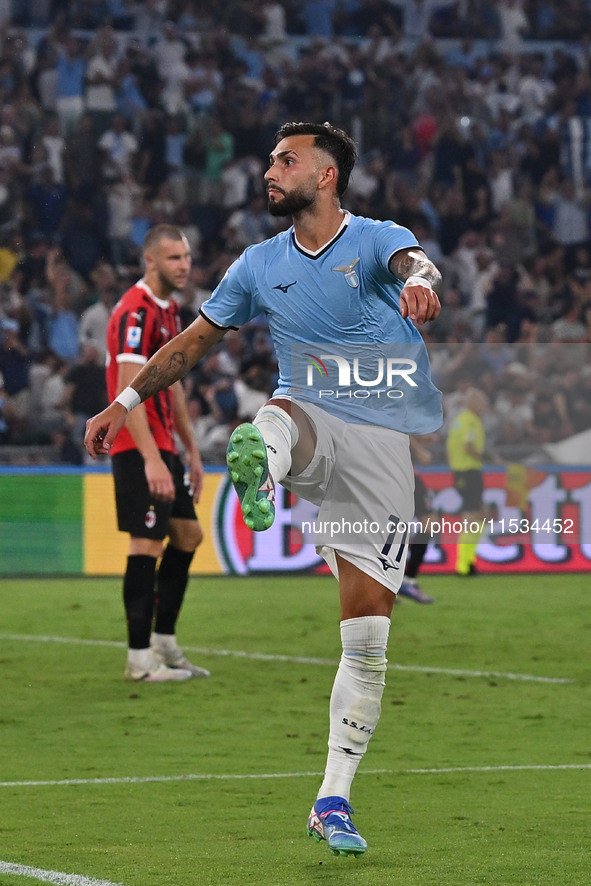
<point x="290" y="204"/>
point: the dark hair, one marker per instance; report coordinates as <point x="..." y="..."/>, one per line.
<point x="335" y="142"/>
<point x="161" y="232"/>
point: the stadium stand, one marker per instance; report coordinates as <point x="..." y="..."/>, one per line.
<point x="474" y="125"/>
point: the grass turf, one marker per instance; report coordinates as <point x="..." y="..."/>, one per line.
<point x="67" y="714"/>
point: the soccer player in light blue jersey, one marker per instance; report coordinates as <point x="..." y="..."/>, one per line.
<point x="342" y="295"/>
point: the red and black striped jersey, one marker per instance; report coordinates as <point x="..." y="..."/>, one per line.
<point x="138" y="326"/>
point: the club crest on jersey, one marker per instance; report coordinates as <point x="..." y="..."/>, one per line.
<point x="351" y="275"/>
<point x="134" y="336"/>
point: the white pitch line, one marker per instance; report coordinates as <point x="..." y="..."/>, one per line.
<point x="151" y="779"/>
<point x="296" y="659"/>
<point x="55" y="877"/>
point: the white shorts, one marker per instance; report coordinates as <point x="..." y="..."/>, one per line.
<point x="362" y="479"/>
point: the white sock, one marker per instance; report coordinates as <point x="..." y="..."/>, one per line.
<point x="141" y="658"/>
<point x="164" y="641"/>
<point x="280" y="434"/>
<point x="356" y="700"/>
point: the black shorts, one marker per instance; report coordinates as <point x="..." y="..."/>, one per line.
<point x="470" y="485"/>
<point x="137" y="511"/>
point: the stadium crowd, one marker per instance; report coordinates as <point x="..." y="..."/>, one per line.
<point x="474" y="126"/>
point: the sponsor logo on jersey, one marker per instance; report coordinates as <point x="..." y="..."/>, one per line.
<point x="150" y="518"/>
<point x="354" y="725"/>
<point x="386" y="565"/>
<point x="351" y="275"/>
<point x="285" y="286"/>
<point x="134" y="336"/>
<point x="350" y="752"/>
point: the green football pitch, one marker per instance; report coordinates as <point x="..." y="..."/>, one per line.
<point x="479" y="771"/>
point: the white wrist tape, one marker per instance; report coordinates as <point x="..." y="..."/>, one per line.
<point x="128" y="398"/>
<point x="421" y="281"/>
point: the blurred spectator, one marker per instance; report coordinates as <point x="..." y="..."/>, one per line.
<point x="169" y="51"/>
<point x="463" y="263"/>
<point x="199" y="293"/>
<point x="52" y="416"/>
<point x="449" y="153"/>
<point x="101" y="79"/>
<point x="9" y="202"/>
<point x="223" y="407"/>
<point x="184" y="220"/>
<point x="514" y="25"/>
<point x="15" y="360"/>
<point x="534" y="89"/>
<point x="517" y="220"/>
<point x="253" y="386"/>
<point x="145" y="78"/>
<point x="570" y="227"/>
<point x="174" y="153"/>
<point x="151" y="163"/>
<point x="204" y="81"/>
<point x="453" y="221"/>
<point x="70" y="85"/>
<point x="39" y="372"/>
<point x="45" y="76"/>
<point x="55" y="146"/>
<point x="92" y="328"/>
<point x="501" y="177"/>
<point x="85" y="390"/>
<point x="218" y="150"/>
<point x="84" y="235"/>
<point x="119" y="148"/>
<point x="82" y="159"/>
<point x="569" y="327"/>
<point x="454" y="318"/>
<point x="164" y="206"/>
<point x="547" y="423"/>
<point x="241" y="179"/>
<point x="249" y="225"/>
<point x="123" y="196"/>
<point x="11" y="253"/>
<point x="46" y="203"/>
<point x="202" y="420"/>
<point x="501" y="301"/>
<point x="11" y="155"/>
<point x="62" y="330"/>
<point x="131" y="102"/>
<point x="494" y="353"/>
<point x="229" y="354"/>
<point x="513" y="405"/>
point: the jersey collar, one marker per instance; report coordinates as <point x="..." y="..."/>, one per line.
<point x="322" y="250"/>
<point x="161" y="302"/>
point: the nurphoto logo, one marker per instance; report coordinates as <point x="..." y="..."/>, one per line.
<point x="385" y="372"/>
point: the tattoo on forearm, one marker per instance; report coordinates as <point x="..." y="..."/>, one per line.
<point x="157" y="378"/>
<point x="405" y="266"/>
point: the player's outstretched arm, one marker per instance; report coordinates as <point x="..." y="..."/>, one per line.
<point x="418" y="299"/>
<point x="169" y="364"/>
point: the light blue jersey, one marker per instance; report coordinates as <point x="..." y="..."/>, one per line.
<point x="341" y="300"/>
